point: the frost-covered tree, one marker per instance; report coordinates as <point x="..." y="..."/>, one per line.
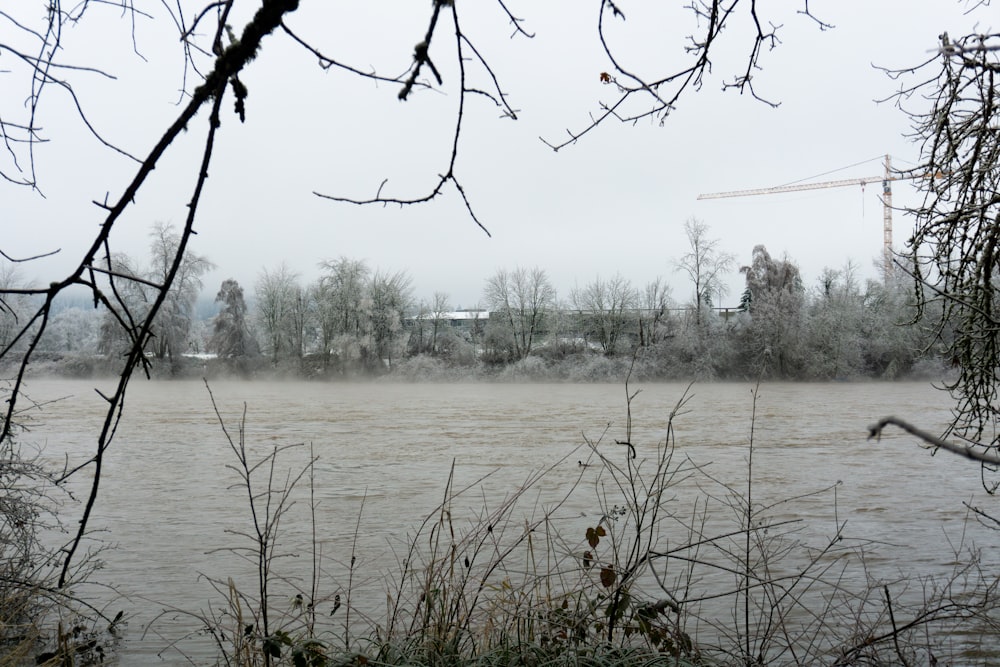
<point x="131" y="302"/>
<point x="834" y="336"/>
<point x="420" y="329"/>
<point x="75" y="330"/>
<point x="430" y="324"/>
<point x="606" y="309"/>
<point x="280" y="303"/>
<point x="232" y="338"/>
<point x="172" y="324"/>
<point x="14" y="307"/>
<point x="135" y="290"/>
<point x="654" y="312"/>
<point x="893" y="341"/>
<point x="772" y="332"/>
<point x="700" y="348"/>
<point x="301" y="320"/>
<point x="340" y="309"/>
<point x="519" y="301"/>
<point x="440" y="307"/>
<point x="388" y="297"/>
<point x="705" y="264"/>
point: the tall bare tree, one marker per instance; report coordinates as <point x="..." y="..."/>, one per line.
<point x="172" y="324"/>
<point x="607" y="307"/>
<point x="131" y="305"/>
<point x="705" y="264"/>
<point x="136" y="290"/>
<point x="519" y="301"/>
<point x="387" y="297"/>
<point x="13" y="306"/>
<point x="340" y="303"/>
<point x="654" y="312"/>
<point x="439" y="310"/>
<point x="280" y="312"/>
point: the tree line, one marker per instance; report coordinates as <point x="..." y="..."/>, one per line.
<point x="355" y="320"/>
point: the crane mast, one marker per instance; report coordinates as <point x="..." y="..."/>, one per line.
<point x="886" y="180"/>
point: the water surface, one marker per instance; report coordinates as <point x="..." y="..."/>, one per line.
<point x="170" y="500"/>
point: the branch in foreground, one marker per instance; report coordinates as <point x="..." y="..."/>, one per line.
<point x="463" y="89"/>
<point x="664" y="90"/>
<point x="875" y="431"/>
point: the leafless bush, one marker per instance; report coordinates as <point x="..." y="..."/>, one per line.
<point x="39" y="619"/>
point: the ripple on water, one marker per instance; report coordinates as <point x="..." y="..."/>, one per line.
<point x="386" y="452"/>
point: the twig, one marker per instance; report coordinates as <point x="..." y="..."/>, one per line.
<point x="968" y="451"/>
<point x="895" y="631"/>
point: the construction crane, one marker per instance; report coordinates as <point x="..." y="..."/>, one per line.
<point x="886" y="179"/>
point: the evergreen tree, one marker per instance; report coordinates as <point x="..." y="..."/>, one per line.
<point x="231" y="336"/>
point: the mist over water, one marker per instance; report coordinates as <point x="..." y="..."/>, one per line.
<point x="172" y="507"/>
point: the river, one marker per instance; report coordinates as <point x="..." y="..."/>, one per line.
<point x="170" y="503"/>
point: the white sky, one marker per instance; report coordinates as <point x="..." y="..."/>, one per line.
<point x="615" y="202"/>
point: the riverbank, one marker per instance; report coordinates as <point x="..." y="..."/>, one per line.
<point x="583" y="367"/>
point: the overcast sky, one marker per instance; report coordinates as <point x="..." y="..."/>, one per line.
<point x="614" y="202"/>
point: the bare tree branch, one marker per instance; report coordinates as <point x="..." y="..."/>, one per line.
<point x="327" y="62"/>
<point x="954" y="253"/>
<point x="968" y="451"/>
<point x="17" y="260"/>
<point x="421" y="57"/>
<point x="227" y="66"/>
<point x="714" y="16"/>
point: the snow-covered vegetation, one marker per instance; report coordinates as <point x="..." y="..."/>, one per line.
<point x="355" y="322"/>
